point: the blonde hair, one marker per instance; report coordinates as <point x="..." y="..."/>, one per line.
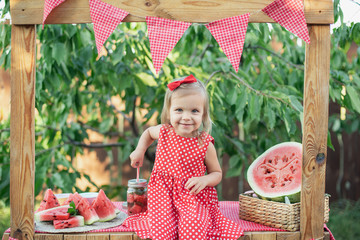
<point x="199" y="86"/>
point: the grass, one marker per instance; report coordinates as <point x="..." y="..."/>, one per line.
<point x="343" y="222"/>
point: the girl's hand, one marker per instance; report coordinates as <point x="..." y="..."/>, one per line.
<point x="136" y="158"/>
<point x="196" y="184"/>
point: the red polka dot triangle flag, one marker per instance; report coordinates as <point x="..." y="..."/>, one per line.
<point x="290" y="15"/>
<point x="105" y="18"/>
<point x="163" y="36"/>
<point x="230" y="35"/>
<point x="49" y="5"/>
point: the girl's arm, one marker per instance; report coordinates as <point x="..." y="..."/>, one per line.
<point x="196" y="184"/>
<point x="146" y="139"/>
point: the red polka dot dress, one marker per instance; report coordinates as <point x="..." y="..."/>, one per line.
<point x="174" y="213"/>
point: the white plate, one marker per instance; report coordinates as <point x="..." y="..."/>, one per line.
<point x="62" y="197"/>
<point x="90" y="196"/>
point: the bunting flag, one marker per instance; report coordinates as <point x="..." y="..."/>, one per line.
<point x="105" y="18"/>
<point x="49" y="5"/>
<point x="230" y="35"/>
<point x="163" y="36"/>
<point x="290" y="15"/>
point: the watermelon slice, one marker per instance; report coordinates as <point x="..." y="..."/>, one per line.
<point x="76" y="198"/>
<point x="277" y="173"/>
<point x="104" y="207"/>
<point x="49" y="201"/>
<point x="75" y="221"/>
<point x="87" y="211"/>
<point x="57" y="213"/>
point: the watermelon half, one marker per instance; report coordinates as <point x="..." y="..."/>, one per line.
<point x="57" y="213"/>
<point x="277" y="173"/>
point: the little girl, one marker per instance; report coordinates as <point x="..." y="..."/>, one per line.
<point x="182" y="200"/>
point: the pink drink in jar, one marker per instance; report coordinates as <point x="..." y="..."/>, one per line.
<point x="137" y="196"/>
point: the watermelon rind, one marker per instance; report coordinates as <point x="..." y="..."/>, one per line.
<point x="293" y="195"/>
<point x="38" y="215"/>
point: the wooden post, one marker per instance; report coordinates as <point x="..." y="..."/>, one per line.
<point x="315" y="128"/>
<point x="22" y="131"/>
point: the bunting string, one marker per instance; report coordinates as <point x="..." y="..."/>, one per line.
<point x="165" y="33"/>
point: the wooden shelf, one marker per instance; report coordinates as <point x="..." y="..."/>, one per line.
<point x="133" y="236"/>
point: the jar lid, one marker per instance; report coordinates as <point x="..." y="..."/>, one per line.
<point x="134" y="183"/>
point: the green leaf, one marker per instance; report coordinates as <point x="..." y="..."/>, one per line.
<point x="59" y="52"/>
<point x="270" y="116"/>
<point x="147" y="79"/>
<point x="295" y="103"/>
<point x="58" y="180"/>
<point x="232" y="96"/>
<point x="329" y="143"/>
<point x="235" y="168"/>
<point x="255" y="106"/>
<point x="354" y="97"/>
<point x="289" y="122"/>
<point x="72" y="209"/>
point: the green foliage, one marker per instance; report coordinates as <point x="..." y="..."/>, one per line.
<point x="4" y="218"/>
<point x="252" y="110"/>
<point x="344" y="219"/>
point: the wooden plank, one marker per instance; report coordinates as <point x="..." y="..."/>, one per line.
<point x="99" y="236"/>
<point x="288" y="236"/>
<point x="74" y="236"/>
<point x="315" y="127"/>
<point x="121" y="236"/>
<point x="22" y="135"/>
<point x="136" y="237"/>
<point x="5" y="236"/>
<point x="48" y="236"/>
<point x="263" y="236"/>
<point x="201" y="11"/>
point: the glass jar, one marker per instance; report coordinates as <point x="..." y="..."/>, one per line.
<point x="136" y="196"/>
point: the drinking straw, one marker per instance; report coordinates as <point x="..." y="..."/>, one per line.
<point x="137" y="174"/>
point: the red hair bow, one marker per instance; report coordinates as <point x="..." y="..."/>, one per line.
<point x="173" y="85"/>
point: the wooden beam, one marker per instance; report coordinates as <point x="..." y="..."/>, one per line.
<point x="315" y="129"/>
<point x="201" y="11"/>
<point x="22" y="134"/>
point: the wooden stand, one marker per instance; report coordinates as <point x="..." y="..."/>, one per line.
<point x="27" y="13"/>
<point x="133" y="236"/>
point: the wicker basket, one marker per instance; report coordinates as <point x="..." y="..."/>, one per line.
<point x="274" y="214"/>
